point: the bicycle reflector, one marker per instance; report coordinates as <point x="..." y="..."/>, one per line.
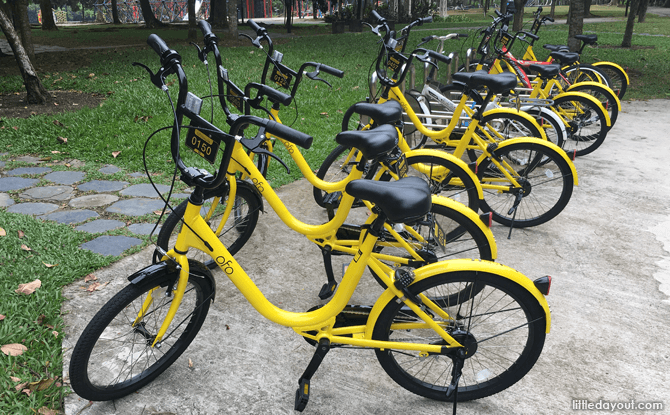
<point x="487" y="218"/>
<point x="543" y="284"/>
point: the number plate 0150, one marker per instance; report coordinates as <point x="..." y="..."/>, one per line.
<point x="202" y="144"/>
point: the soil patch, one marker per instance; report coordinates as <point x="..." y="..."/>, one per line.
<point x="15" y="106"/>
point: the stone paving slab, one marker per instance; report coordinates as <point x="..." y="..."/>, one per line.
<point x="111" y="245"/>
<point x="15" y="183"/>
<point x="101" y="225"/>
<point x="145" y="190"/>
<point x="143" y="228"/>
<point x="109" y="170"/>
<point x="2" y="164"/>
<point x="28" y="170"/>
<point x="102" y="186"/>
<point x="33" y="208"/>
<point x="136" y="207"/>
<point x="65" y="177"/>
<point x="48" y="193"/>
<point x="98" y="200"/>
<point x="70" y="216"/>
<point x="5" y="200"/>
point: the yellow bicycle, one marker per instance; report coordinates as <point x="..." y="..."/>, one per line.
<point x="451" y="331"/>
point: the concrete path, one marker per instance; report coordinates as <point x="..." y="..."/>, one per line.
<point x="609" y="254"/>
<point x="70" y="198"/>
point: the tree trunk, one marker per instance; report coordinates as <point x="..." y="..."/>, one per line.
<point x="553" y="8"/>
<point x="218" y="14"/>
<point x="576" y="21"/>
<point x="48" y="22"/>
<point x="587" y="8"/>
<point x="518" y="15"/>
<point x="150" y="20"/>
<point x="115" y="13"/>
<point x="642" y="10"/>
<point x="288" y="5"/>
<point x="21" y="24"/>
<point x="232" y="19"/>
<point x="503" y="6"/>
<point x="37" y="94"/>
<point x="628" y="34"/>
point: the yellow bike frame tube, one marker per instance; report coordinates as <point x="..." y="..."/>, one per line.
<point x="597" y="85"/>
<point x="519" y="113"/>
<point x="178" y="293"/>
<point x="232" y="194"/>
<point x="456" y="265"/>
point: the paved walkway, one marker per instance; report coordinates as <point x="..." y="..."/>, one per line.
<point x="70" y="198"/>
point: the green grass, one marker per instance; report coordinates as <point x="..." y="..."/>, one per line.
<point x="94" y="134"/>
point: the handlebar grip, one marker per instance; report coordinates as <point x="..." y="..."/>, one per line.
<point x="463" y="35"/>
<point x="439" y="56"/>
<point x="205" y="27"/>
<point x="273" y="94"/>
<point x="551" y="19"/>
<point x="289" y="134"/>
<point x="531" y="35"/>
<point x="498" y="13"/>
<point x="157" y="44"/>
<point x="428" y="19"/>
<point x="254" y="25"/>
<point x="331" y="71"/>
<point x="376" y="16"/>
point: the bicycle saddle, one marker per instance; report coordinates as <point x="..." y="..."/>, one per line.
<point x="403" y="201"/>
<point x="588" y="39"/>
<point x="372" y="143"/>
<point x="496" y="83"/>
<point x="556" y="48"/>
<point x="565" y="58"/>
<point x="386" y="113"/>
<point x="545" y="71"/>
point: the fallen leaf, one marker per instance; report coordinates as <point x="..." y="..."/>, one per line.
<point x="20" y="386"/>
<point x="96" y="286"/>
<point x="62" y="140"/>
<point x="157" y="212"/>
<point x="68" y="165"/>
<point x="41" y="384"/>
<point x="55" y="152"/>
<point x="14" y="349"/>
<point x="16" y="128"/>
<point x="55" y="103"/>
<point x="58" y="123"/>
<point x="15" y="379"/>
<point x="29" y="288"/>
<point x="115" y="153"/>
<point x="46" y="411"/>
<point x="91" y="75"/>
<point x="49" y="265"/>
<point x="324" y="113"/>
<point x="3" y="232"/>
<point x="2" y="317"/>
<point x="55" y="333"/>
<point x="90" y="277"/>
<point x="21" y="234"/>
<point x="40" y="319"/>
<point x="190" y="363"/>
<point x="26" y="391"/>
<point x="45" y="159"/>
<point x="25" y="248"/>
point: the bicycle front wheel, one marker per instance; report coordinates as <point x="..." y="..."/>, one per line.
<point x="585" y="121"/>
<point x="618" y="78"/>
<point x="236" y="230"/>
<point x="335" y="167"/>
<point x="545" y="184"/>
<point x="501" y="127"/>
<point x="113" y="357"/>
<point x="502" y="325"/>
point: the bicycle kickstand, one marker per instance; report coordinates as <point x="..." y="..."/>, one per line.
<point x="512" y="211"/>
<point x="302" y="394"/>
<point x="456" y="372"/>
<point x="328" y="288"/>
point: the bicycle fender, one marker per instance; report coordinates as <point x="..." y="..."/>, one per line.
<point x="472" y="215"/>
<point x="616" y="66"/>
<point x="608" y="122"/>
<point x="456" y="265"/>
<point x="521" y="113"/>
<point x="451" y="158"/>
<point x="155" y="271"/>
<point x="546" y="144"/>
<point x="597" y="85"/>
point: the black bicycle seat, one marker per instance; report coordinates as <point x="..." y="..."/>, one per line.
<point x="372" y="143"/>
<point x="402" y="201"/>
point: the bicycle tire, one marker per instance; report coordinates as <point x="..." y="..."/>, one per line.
<point x="546" y="184"/>
<point x="237" y="231"/>
<point x="618" y="78"/>
<point x="494" y="362"/>
<point x="582" y="72"/>
<point x="586" y="128"/>
<point x="332" y="171"/>
<point x="604" y="95"/>
<point x="552" y="127"/>
<point x="94" y="362"/>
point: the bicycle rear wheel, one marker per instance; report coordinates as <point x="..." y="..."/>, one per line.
<point x="618" y="78"/>
<point x="545" y="180"/>
<point x="503" y="327"/>
<point x="503" y="127"/>
<point x="586" y="124"/>
<point x="235" y="232"/>
<point x="605" y="96"/>
<point x="113" y="356"/>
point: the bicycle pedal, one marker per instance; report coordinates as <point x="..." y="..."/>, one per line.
<point x="327" y="290"/>
<point x="332" y="199"/>
<point x="302" y="395"/>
